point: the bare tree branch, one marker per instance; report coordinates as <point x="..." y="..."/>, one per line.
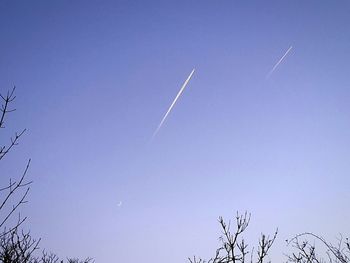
<point x="17" y="246"/>
<point x="6" y="101"/>
<point x="233" y="246"/>
<point x="12" y="188"/>
<point x="306" y="252"/>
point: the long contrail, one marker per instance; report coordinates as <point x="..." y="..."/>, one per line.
<point x="172" y="104"/>
<point x="279" y="62"/>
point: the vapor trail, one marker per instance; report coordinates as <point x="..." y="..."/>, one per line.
<point x="173" y="103"/>
<point x="279" y="62"/>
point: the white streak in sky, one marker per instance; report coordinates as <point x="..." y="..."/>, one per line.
<point x="172" y="104"/>
<point x="119" y="204"/>
<point x="279" y="62"/>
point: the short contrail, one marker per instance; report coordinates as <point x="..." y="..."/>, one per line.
<point x="172" y="104"/>
<point x="279" y="62"/>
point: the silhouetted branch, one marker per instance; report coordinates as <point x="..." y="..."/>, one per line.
<point x="75" y="260"/>
<point x="13" y="142"/>
<point x="12" y="188"/>
<point x="48" y="258"/>
<point x="265" y="243"/>
<point x="307" y="252"/>
<point x="4" y="107"/>
<point x="233" y="247"/>
<point x="6" y="100"/>
<point x="17" y="247"/>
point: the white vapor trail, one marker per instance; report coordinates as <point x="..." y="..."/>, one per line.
<point x="279" y="62"/>
<point x="173" y="103"/>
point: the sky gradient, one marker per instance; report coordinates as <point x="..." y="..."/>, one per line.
<point x="95" y="78"/>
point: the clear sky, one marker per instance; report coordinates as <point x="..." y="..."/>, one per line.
<point x="94" y="79"/>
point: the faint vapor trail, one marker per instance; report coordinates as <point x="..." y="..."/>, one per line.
<point x="172" y="104"/>
<point x="279" y="62"/>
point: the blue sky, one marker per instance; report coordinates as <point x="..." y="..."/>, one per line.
<point x="94" y="79"/>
